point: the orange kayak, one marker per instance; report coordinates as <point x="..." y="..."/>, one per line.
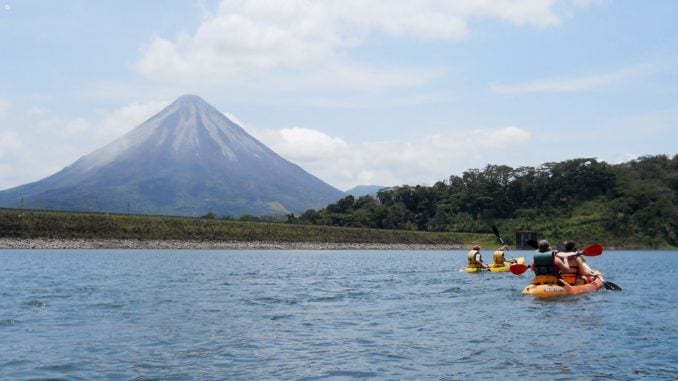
<point x="546" y="286"/>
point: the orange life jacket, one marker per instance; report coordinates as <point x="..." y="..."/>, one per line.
<point x="498" y="257"/>
<point x="574" y="276"/>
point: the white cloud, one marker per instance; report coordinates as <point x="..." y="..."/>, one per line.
<point x="118" y="122"/>
<point x="424" y="161"/>
<point x="304" y="145"/>
<point x="247" y="40"/>
<point x="53" y="141"/>
<point x="14" y="154"/>
<point x="98" y="130"/>
<point x="10" y="144"/>
<point x="570" y="85"/>
<point x="621" y="158"/>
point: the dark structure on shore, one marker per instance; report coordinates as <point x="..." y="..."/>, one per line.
<point x="522" y="237"/>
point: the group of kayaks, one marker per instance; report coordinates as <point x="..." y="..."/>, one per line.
<point x="501" y="267"/>
<point x="543" y="285"/>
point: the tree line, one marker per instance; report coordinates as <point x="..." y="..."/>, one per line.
<point x="628" y="204"/>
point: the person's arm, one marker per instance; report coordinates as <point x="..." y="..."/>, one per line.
<point x="585" y="269"/>
<point x="479" y="259"/>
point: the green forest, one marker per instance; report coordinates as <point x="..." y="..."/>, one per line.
<point x="628" y="205"/>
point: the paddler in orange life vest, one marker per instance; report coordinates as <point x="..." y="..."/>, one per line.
<point x="475" y="260"/>
<point x="579" y="272"/>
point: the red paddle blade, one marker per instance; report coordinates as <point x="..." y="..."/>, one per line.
<point x="593" y="250"/>
<point x="518" y="268"/>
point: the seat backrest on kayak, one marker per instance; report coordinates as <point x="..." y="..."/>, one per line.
<point x="545" y="279"/>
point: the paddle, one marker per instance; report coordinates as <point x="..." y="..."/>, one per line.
<point x="611" y="286"/>
<point x="518" y="268"/>
<point x="607" y="284"/>
<point x="501" y="241"/>
<point x="590" y="251"/>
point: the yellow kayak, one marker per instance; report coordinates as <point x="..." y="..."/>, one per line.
<point x="467" y="269"/>
<point x="493" y="267"/>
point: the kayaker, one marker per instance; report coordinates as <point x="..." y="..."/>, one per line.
<point x="475" y="260"/>
<point x="546" y="262"/>
<point x="579" y="272"/>
<point x="499" y="258"/>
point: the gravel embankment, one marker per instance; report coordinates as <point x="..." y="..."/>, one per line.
<point x="49" y="243"/>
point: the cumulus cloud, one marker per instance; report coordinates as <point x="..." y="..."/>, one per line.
<point x="251" y="38"/>
<point x="305" y="145"/>
<point x="429" y="159"/>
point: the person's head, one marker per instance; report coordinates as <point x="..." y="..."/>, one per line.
<point x="476" y="247"/>
<point x="544" y="246"/>
<point x="570" y="246"/>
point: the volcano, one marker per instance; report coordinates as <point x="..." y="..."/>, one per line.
<point x="187" y="160"/>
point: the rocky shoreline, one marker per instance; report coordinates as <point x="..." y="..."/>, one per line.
<point x="79" y="243"/>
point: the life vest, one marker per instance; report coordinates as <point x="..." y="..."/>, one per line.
<point x="471" y="257"/>
<point x="574" y="276"/>
<point x="543" y="264"/>
<point x="498" y="257"/>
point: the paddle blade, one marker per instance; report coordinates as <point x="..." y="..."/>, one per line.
<point x="593" y="250"/>
<point x="532" y="243"/>
<point x="518" y="268"/>
<point x="496" y="232"/>
<point x="611" y="286"/>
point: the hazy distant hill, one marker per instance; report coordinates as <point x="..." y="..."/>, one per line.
<point x="186" y="160"/>
<point x="364" y="190"/>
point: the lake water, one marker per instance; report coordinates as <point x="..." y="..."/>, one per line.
<point x="325" y="315"/>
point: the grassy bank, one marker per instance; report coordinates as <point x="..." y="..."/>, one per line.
<point x="16" y="224"/>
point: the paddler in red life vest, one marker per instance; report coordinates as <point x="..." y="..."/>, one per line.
<point x="475" y="260"/>
<point x="579" y="272"/>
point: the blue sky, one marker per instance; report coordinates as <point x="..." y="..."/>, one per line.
<point x="356" y="92"/>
